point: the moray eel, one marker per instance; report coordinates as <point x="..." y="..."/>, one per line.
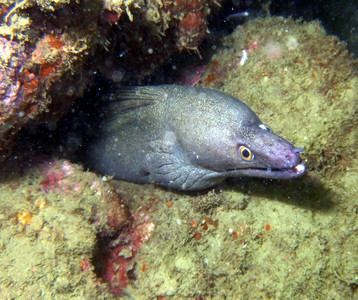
<point x="187" y="138"/>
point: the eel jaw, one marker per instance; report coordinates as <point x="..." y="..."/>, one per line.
<point x="283" y="173"/>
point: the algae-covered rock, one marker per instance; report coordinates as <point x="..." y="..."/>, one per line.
<point x="51" y="215"/>
<point x="255" y="238"/>
<point x="298" y="80"/>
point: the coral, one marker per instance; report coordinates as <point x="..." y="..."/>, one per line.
<point x="62" y="178"/>
<point x="117" y="259"/>
<point x="191" y="30"/>
<point x="159" y="30"/>
<point x="36" y="67"/>
<point x="187" y="18"/>
<point x="46" y="61"/>
<point x="191" y="26"/>
<point x="113" y="9"/>
<point x="12" y="92"/>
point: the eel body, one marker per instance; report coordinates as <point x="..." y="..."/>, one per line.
<point x="187" y="138"/>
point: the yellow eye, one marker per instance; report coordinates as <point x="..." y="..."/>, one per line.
<point x="246" y="153"/>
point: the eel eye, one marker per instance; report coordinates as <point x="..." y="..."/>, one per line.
<point x="265" y="127"/>
<point x="246" y="153"/>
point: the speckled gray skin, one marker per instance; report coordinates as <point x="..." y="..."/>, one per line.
<point x="187" y="138"/>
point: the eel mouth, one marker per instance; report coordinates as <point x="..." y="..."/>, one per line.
<point x="278" y="173"/>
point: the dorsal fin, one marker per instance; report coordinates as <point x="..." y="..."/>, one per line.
<point x="128" y="98"/>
